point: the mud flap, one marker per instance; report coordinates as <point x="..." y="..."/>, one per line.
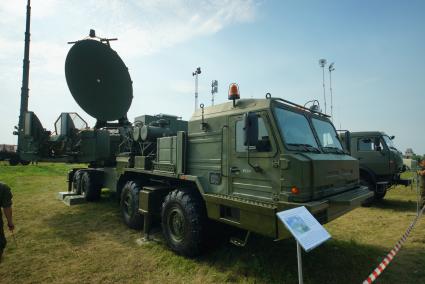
<point x="405" y="182"/>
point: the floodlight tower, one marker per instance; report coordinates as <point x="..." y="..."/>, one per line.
<point x="331" y="68"/>
<point x="322" y="63"/>
<point x="214" y="90"/>
<point x="196" y="73"/>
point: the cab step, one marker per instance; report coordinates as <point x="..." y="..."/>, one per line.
<point x="238" y="242"/>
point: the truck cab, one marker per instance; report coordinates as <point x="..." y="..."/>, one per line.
<point x="381" y="163"/>
<point x="243" y="162"/>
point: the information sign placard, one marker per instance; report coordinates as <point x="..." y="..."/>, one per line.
<point x="308" y="232"/>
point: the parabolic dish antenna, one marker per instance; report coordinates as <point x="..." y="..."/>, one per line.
<point x="98" y="80"/>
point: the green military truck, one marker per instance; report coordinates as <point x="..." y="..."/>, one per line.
<point x="380" y="162"/>
<point x="237" y="163"/>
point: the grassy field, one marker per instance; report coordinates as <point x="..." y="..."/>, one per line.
<point x="88" y="243"/>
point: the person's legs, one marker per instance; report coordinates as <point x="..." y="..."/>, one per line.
<point x="2" y="241"/>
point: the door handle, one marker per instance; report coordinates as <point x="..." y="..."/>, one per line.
<point x="235" y="170"/>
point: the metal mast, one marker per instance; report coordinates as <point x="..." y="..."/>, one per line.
<point x="331" y="68"/>
<point x="322" y="63"/>
<point x="196" y="73"/>
<point x="25" y="74"/>
<point x="214" y="90"/>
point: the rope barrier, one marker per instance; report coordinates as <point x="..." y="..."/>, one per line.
<point x="386" y="261"/>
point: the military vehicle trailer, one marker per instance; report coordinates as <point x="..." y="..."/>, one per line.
<point x="380" y="162"/>
<point x="238" y="163"/>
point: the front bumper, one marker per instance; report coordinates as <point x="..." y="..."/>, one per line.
<point x="331" y="207"/>
<point x="405" y="182"/>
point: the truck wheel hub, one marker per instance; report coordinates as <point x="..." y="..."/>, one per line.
<point x="176" y="224"/>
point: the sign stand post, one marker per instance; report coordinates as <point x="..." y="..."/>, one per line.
<point x="306" y="230"/>
<point x="300" y="264"/>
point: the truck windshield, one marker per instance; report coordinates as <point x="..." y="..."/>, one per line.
<point x="389" y="142"/>
<point x="327" y="135"/>
<point x="295" y="130"/>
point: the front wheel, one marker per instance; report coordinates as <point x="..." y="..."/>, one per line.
<point x="183" y="220"/>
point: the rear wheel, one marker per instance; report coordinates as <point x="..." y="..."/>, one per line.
<point x="129" y="205"/>
<point x="183" y="219"/>
<point x="76" y="182"/>
<point x="13" y="162"/>
<point x="89" y="186"/>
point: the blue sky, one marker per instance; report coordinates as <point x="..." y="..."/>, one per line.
<point x="265" y="46"/>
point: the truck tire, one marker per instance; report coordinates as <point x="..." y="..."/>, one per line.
<point x="13" y="162"/>
<point x="76" y="182"/>
<point x="90" y="189"/>
<point x="183" y="222"/>
<point x="129" y="205"/>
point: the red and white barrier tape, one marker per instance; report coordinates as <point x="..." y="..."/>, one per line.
<point x="384" y="263"/>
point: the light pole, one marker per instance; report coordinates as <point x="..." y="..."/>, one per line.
<point x="196" y="73"/>
<point x="214" y="90"/>
<point x="322" y="63"/>
<point x="331" y="68"/>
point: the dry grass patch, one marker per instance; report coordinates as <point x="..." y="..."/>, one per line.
<point x="89" y="244"/>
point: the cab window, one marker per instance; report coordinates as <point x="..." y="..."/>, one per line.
<point x="263" y="144"/>
<point x="370" y="144"/>
<point x="294" y="128"/>
<point x="326" y="133"/>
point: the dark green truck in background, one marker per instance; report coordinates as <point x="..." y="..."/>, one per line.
<point x="381" y="163"/>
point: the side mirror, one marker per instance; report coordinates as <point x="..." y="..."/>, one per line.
<point x="392" y="137"/>
<point x="250" y="129"/>
<point x="345" y="139"/>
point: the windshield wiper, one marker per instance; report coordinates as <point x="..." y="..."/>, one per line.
<point x="307" y="147"/>
<point x="336" y="149"/>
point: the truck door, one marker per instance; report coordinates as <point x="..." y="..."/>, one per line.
<point x="244" y="180"/>
<point x="373" y="154"/>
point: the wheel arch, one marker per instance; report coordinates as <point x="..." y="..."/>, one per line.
<point x="367" y="174"/>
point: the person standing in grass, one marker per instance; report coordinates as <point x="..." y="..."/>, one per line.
<point x="6" y="204"/>
<point x="421" y="173"/>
